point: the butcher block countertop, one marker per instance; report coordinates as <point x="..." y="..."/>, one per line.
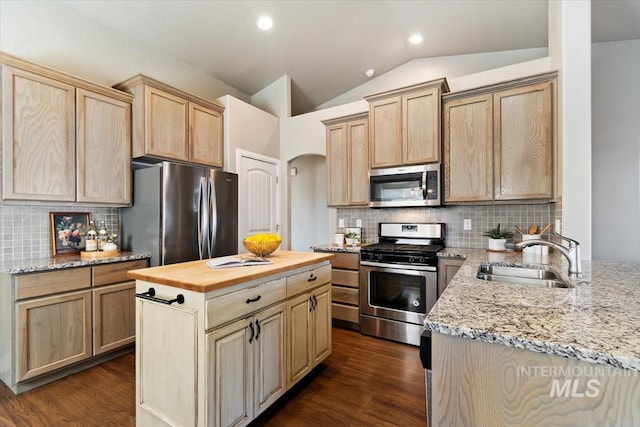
<point x="197" y="276"/>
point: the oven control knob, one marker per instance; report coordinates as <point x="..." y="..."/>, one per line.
<point x="412" y="259"/>
<point x="422" y="260"/>
<point x="379" y="256"/>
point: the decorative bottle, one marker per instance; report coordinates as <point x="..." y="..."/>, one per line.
<point x="92" y="242"/>
<point x="102" y="235"/>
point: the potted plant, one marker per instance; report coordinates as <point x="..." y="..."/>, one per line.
<point x="497" y="238"/>
<point x="352" y="238"/>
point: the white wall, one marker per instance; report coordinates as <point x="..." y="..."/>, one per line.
<point x="616" y="150"/>
<point x="570" y="52"/>
<point x="308" y="194"/>
<point x="275" y="98"/>
<point x="52" y="34"/>
<point x="248" y="128"/>
<point x="425" y="69"/>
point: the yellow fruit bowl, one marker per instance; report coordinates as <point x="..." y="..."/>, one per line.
<point x="262" y="245"/>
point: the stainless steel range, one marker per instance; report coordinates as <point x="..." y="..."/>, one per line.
<point x="398" y="280"/>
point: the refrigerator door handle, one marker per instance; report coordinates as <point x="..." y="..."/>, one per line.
<point x="203" y="219"/>
<point x="213" y="227"/>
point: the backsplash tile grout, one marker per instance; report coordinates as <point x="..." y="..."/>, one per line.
<point x="483" y="218"/>
<point x="25" y="230"/>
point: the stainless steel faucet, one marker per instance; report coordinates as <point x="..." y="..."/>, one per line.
<point x="572" y="253"/>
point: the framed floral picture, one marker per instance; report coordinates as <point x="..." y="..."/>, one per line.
<point x="68" y="232"/>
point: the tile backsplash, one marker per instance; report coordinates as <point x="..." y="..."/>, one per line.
<point x="482" y="218"/>
<point x="25" y="230"/>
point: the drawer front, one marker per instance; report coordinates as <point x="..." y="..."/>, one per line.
<point x="52" y="282"/>
<point x="237" y="304"/>
<point x="116" y="272"/>
<point x="349" y="261"/>
<point x="345" y="278"/>
<point x="345" y="312"/>
<point x="307" y="280"/>
<point x="345" y="295"/>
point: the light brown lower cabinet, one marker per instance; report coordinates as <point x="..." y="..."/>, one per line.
<point x="114" y="312"/>
<point x="53" y="332"/>
<point x="447" y="268"/>
<point x="345" y="289"/>
<point x="55" y="323"/>
<point x="229" y="354"/>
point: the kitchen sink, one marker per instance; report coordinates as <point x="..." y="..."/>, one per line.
<point x="521" y="276"/>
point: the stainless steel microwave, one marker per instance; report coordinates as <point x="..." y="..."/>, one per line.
<point x="405" y="186"/>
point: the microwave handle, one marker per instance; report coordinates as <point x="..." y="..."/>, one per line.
<point x="424" y="185"/>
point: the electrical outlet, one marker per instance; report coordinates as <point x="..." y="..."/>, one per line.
<point x="359" y="223"/>
<point x="467" y="224"/>
<point x="341" y="223"/>
<point x="558" y="227"/>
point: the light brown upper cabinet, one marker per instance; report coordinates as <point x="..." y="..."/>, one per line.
<point x="348" y="160"/>
<point x="498" y="141"/>
<point x="170" y="124"/>
<point x="404" y="125"/>
<point x="63" y="138"/>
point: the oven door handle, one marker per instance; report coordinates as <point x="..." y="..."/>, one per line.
<point x="424" y="185"/>
<point x="399" y="266"/>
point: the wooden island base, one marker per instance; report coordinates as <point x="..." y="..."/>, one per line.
<point x="492" y="384"/>
<point x="232" y="342"/>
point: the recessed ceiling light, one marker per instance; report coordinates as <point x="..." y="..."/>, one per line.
<point x="265" y="23"/>
<point x="370" y="72"/>
<point x="415" y="39"/>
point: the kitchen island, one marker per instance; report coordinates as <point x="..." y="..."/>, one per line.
<point x="512" y="354"/>
<point x="219" y="346"/>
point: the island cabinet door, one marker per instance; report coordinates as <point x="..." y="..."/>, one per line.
<point x="53" y="332"/>
<point x="269" y="369"/>
<point x="321" y="323"/>
<point x="166" y="363"/>
<point x="230" y="378"/>
<point x="298" y="338"/>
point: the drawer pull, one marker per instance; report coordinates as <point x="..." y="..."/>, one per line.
<point x="151" y="296"/>
<point x="250" y="300"/>
<point x="312" y="278"/>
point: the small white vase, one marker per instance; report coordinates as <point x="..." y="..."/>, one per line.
<point x="497" y="244"/>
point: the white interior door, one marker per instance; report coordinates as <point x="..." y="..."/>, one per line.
<point x="258" y="196"/>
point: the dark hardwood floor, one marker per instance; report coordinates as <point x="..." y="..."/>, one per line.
<point x="365" y="382"/>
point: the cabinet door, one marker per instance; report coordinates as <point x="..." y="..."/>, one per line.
<point x="53" y="332"/>
<point x="523" y="132"/>
<point x="38" y="137"/>
<point x="166" y="121"/>
<point x="358" y="157"/>
<point x="103" y="148"/>
<point x="447" y="268"/>
<point x="230" y="360"/>
<point x="114" y="311"/>
<point x="385" y="127"/>
<point x="167" y="359"/>
<point x="269" y="370"/>
<point x="337" y="162"/>
<point x="298" y="338"/>
<point x="321" y="323"/>
<point x="468" y="149"/>
<point x="421" y="127"/>
<point x="205" y="135"/>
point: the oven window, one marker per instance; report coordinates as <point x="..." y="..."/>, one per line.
<point x="398" y="291"/>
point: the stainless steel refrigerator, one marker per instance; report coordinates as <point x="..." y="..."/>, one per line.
<point x="181" y="213"/>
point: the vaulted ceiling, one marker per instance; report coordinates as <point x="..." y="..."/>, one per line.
<point x="325" y="46"/>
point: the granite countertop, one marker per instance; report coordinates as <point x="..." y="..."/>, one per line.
<point x="335" y="248"/>
<point x="597" y="320"/>
<point x="197" y="276"/>
<point x="67" y="261"/>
